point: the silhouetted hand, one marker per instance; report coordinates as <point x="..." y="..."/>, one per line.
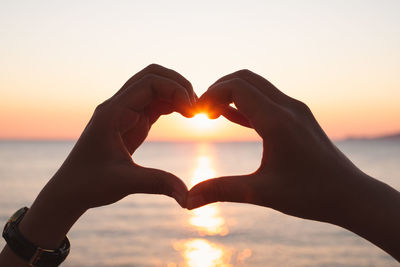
<point x="100" y="170"/>
<point x="302" y="173"/>
<point x="118" y="127"/>
<point x="301" y="170"/>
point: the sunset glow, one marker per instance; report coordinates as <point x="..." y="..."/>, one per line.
<point x="59" y="60"/>
<point x="201" y="121"/>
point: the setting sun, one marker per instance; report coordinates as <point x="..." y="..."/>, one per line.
<point x="202" y="121"/>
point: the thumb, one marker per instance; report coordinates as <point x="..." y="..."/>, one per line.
<point x="228" y="188"/>
<point x="154" y="181"/>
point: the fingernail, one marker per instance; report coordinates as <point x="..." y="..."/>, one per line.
<point x="195" y="201"/>
<point x="178" y="198"/>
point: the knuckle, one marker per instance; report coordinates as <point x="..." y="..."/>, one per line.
<point x="153" y="67"/>
<point x="301" y="108"/>
<point x="238" y="82"/>
<point x="102" y="106"/>
<point x="99" y="108"/>
<point x="103" y="116"/>
<point x="188" y="84"/>
<point x="244" y="73"/>
<point x="287" y="117"/>
<point x="149" y="77"/>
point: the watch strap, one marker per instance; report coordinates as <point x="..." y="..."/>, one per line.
<point x="34" y="255"/>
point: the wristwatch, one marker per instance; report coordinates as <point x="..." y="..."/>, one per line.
<point x="34" y="255"/>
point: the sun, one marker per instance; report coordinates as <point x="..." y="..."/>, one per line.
<point x="201" y="120"/>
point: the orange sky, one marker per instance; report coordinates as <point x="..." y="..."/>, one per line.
<point x="57" y="63"/>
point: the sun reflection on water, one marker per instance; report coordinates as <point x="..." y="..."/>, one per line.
<point x="207" y="219"/>
<point x="201" y="253"/>
<point x="203" y="170"/>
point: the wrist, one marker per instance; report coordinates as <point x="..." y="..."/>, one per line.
<point x="371" y="210"/>
<point x="357" y="199"/>
<point x="31" y="253"/>
<point x="50" y="217"/>
<point x="347" y="196"/>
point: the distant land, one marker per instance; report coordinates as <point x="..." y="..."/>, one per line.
<point x="389" y="137"/>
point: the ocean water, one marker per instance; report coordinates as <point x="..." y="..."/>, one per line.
<point x="151" y="230"/>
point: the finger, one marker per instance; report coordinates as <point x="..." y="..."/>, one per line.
<point x="256" y="107"/>
<point x="158" y="108"/>
<point x="154" y="181"/>
<point x="229" y="188"/>
<point x="164" y="72"/>
<point x="228" y="112"/>
<point x="235" y="116"/>
<point x="138" y="96"/>
<point x="260" y="83"/>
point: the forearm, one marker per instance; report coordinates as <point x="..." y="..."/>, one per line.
<point x="47" y="221"/>
<point x="372" y="210"/>
<point x="45" y="224"/>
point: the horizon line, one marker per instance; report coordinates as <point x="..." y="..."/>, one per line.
<point x="146" y="141"/>
<point x="349" y="137"/>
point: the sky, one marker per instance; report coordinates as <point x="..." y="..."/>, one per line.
<point x="60" y="59"/>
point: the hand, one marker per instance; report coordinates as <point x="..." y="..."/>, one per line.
<point x="302" y="173"/>
<point x="118" y="127"/>
<point x="100" y="170"/>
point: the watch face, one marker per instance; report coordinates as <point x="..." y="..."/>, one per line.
<point x="17" y="215"/>
<point x="6" y="227"/>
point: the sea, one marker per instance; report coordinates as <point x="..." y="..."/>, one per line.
<point x="152" y="230"/>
